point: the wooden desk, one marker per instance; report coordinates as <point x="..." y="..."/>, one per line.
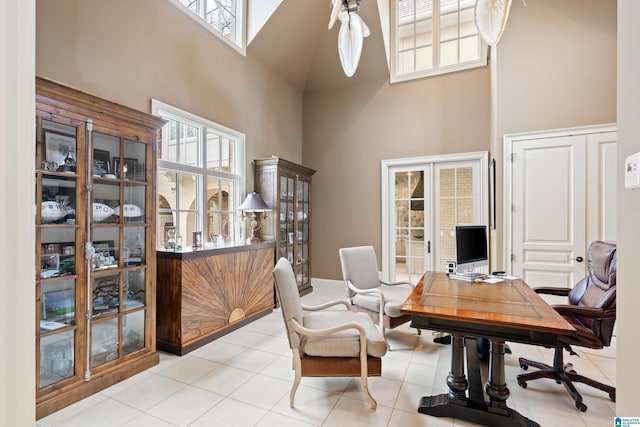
<point x="505" y="311"/>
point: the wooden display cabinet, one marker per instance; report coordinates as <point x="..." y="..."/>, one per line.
<point x="286" y="187"/>
<point x="95" y="244"/>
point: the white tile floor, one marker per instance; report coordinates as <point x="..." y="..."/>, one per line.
<point x="243" y="379"/>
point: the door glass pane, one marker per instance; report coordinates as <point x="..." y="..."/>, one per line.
<point x="456" y="208"/>
<point x="132" y="211"/>
<point x="410" y="225"/>
<point x="59" y="152"/>
<point x="133" y="332"/>
<point x="57" y="305"/>
<point x="58" y="201"/>
<point x="106" y="295"/>
<point x="106" y="153"/>
<point x="106" y="198"/>
<point x="57" y="252"/>
<point x="106" y="243"/>
<point x="104" y="342"/>
<point x="57" y="360"/>
<point x="133" y="289"/>
<point x="135" y="160"/>
<point x="134" y="250"/>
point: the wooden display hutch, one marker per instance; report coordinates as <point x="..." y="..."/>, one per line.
<point x="286" y="188"/>
<point x="95" y="244"/>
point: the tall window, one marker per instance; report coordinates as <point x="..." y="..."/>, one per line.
<point x="200" y="176"/>
<point x="224" y="17"/>
<point x="435" y="37"/>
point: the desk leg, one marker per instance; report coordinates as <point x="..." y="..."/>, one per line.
<point x="455" y="404"/>
<point x="456" y="379"/>
<point x="496" y="388"/>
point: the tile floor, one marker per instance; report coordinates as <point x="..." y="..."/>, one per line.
<point x="243" y="379"/>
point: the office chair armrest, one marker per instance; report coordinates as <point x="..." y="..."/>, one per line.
<point x="346" y="303"/>
<point x="591" y="312"/>
<point x="562" y="292"/>
<point x="397" y="283"/>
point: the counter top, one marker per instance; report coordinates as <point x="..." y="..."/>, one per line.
<point x="189" y="252"/>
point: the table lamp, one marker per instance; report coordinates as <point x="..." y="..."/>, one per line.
<point x="254" y="203"/>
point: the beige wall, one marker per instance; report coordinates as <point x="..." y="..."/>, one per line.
<point x="555" y="68"/>
<point x="628" y="374"/>
<point x="348" y="132"/>
<point x="130" y="51"/>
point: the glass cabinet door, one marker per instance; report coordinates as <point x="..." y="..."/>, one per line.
<point x="118" y="235"/>
<point x="57" y="267"/>
<point x="302" y="232"/>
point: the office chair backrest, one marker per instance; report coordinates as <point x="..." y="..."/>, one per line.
<point x="598" y="288"/>
<point x="360" y="266"/>
<point x="289" y="298"/>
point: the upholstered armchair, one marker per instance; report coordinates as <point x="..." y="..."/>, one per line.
<point x="591" y="309"/>
<point x="368" y="293"/>
<point x="327" y="343"/>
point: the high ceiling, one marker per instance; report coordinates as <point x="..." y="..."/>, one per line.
<point x="296" y="45"/>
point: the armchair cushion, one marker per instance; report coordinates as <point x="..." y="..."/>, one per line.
<point x="341" y="344"/>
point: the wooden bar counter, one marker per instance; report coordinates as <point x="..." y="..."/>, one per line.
<point x="205" y="293"/>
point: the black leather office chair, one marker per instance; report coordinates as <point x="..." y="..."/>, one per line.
<point x="591" y="309"/>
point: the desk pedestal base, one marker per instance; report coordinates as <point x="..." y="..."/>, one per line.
<point x="444" y="406"/>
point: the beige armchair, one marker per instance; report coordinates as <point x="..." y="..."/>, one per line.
<point x="327" y="343"/>
<point x="368" y="293"/>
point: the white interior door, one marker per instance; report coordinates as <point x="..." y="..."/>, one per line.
<point x="562" y="197"/>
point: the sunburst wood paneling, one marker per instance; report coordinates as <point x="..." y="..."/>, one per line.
<point x="199" y="292"/>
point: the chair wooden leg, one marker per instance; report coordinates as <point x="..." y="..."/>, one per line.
<point x="364" y="375"/>
<point x="297" y="367"/>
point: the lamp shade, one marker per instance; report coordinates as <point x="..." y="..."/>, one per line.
<point x="254" y="203"/>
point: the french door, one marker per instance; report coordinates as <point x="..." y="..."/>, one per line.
<point x="423" y="199"/>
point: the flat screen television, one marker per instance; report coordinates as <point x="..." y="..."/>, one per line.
<point x="471" y="247"/>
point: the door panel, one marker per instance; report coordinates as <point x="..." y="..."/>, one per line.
<point x="601" y="186"/>
<point x="548" y="210"/>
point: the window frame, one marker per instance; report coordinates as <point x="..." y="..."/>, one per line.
<point x="240" y="43"/>
<point x="435" y="70"/>
<point x="203" y="173"/>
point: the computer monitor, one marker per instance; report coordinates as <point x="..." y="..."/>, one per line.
<point x="471" y="247"/>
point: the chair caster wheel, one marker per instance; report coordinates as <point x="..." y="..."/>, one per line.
<point x="522" y="384"/>
<point x="581" y="407"/>
<point x="612" y="397"/>
<point x="524" y="367"/>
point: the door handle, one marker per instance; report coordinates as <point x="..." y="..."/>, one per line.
<point x="579" y="259"/>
